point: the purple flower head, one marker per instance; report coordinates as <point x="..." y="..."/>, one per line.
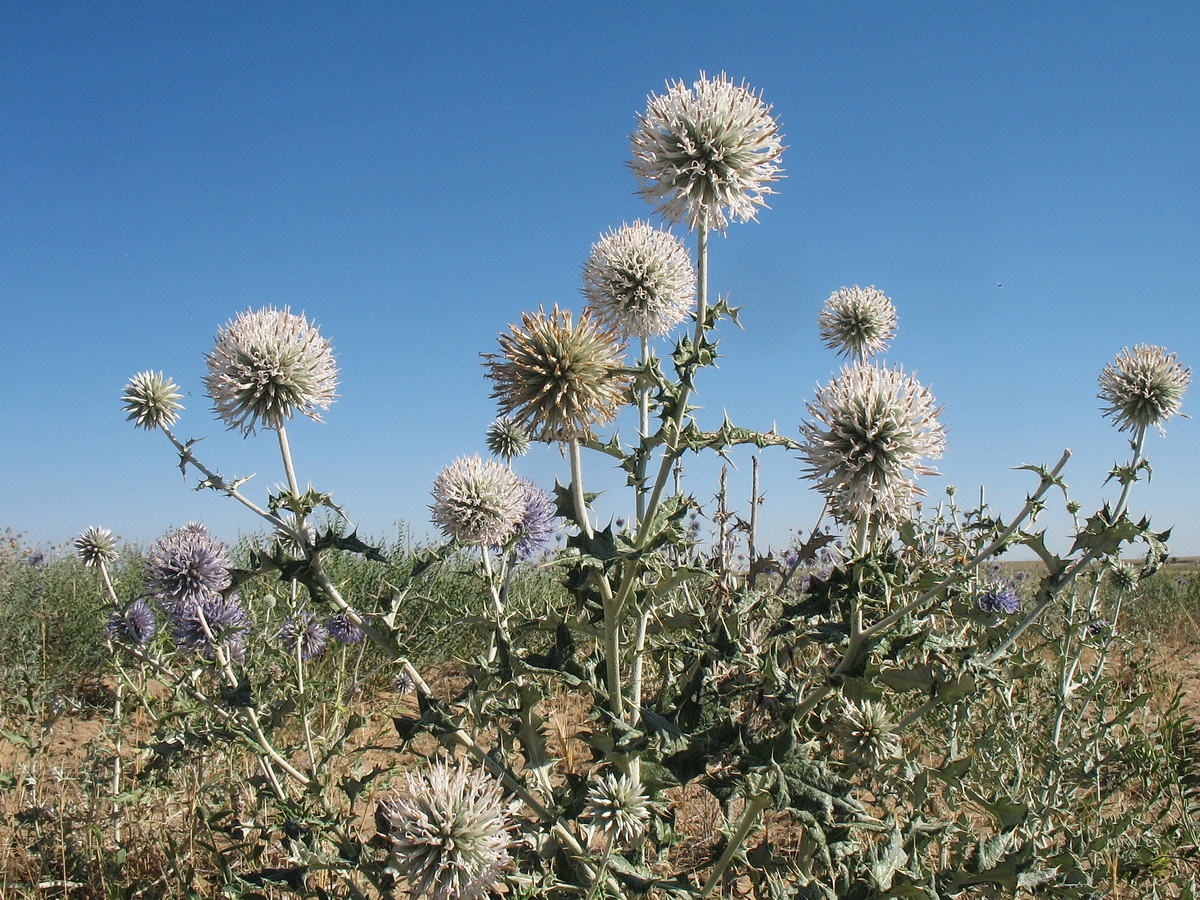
<point x="341" y="629"/>
<point x="537" y="521"/>
<point x="36" y="559"/>
<point x="187" y="565"/>
<point x="1096" y="627"/>
<point x="304" y="634"/>
<point x="790" y="558"/>
<point x="135" y="624"/>
<point x="225" y="617"/>
<point x="1000" y="600"/>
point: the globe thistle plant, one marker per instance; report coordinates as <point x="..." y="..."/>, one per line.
<point x="268" y="365"/>
<point x="96" y="546"/>
<point x="706" y="155"/>
<point x="477" y="501"/>
<point x="152" y="400"/>
<point x="857" y="322"/>
<point x="507" y="439"/>
<point x="869" y="733"/>
<point x="136" y="624"/>
<point x="201" y="625"/>
<point x="186" y="565"/>
<point x="1143" y="387"/>
<point x="617" y="806"/>
<point x="342" y="630"/>
<point x="639" y="281"/>
<point x="448" y="833"/>
<point x="1002" y="599"/>
<point x="869" y="430"/>
<point x="558" y="377"/>
<point x="303" y="634"/>
<point x="537" y="521"/>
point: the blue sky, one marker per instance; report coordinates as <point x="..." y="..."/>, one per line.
<point x="1020" y="178"/>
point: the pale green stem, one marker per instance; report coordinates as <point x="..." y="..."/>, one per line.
<point x="577" y="494"/>
<point x="754" y="806"/>
<point x="644" y="433"/>
<point x="598" y="881"/>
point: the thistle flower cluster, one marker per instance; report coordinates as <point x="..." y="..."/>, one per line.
<point x="477" y="501"/>
<point x="617" y="806"/>
<point x="342" y="630"/>
<point x="557" y="377"/>
<point x="706" y="155"/>
<point x="203" y="625"/>
<point x="869" y="431"/>
<point x="268" y="365"/>
<point x="639" y="281"/>
<point x="1000" y="599"/>
<point x="869" y="732"/>
<point x="448" y="833"/>
<point x="303" y="634"/>
<point x="857" y="322"/>
<point x="1143" y="387"/>
<point x="152" y="401"/>
<point x="96" y="546"/>
<point x="136" y="624"/>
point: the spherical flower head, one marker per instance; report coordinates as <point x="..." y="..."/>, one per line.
<point x="869" y="431"/>
<point x="1001" y="599"/>
<point x="226" y="620"/>
<point x="186" y="565"/>
<point x="557" y="377"/>
<point x="639" y="281"/>
<point x="536" y="526"/>
<point x="507" y="439"/>
<point x="857" y="322"/>
<point x="96" y="546"/>
<point x="618" y="807"/>
<point x="706" y="155"/>
<point x="1124" y="577"/>
<point x="1143" y="387"/>
<point x="267" y="366"/>
<point x="477" y="501"/>
<point x="449" y="833"/>
<point x="342" y="630"/>
<point x="135" y="624"/>
<point x="152" y="400"/>
<point x="303" y="634"/>
<point x="869" y="732"/>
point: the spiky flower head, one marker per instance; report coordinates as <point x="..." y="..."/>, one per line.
<point x="342" y="630"/>
<point x="1124" y="577"/>
<point x="639" y="281"/>
<point x="1143" y="387"/>
<point x="618" y="807"/>
<point x="216" y="620"/>
<point x="869" y="430"/>
<point x="96" y="546"/>
<point x="537" y="520"/>
<point x="449" y="833"/>
<point x="706" y="155"/>
<point x="477" y="501"/>
<point x="268" y="365"/>
<point x="186" y="565"/>
<point x="558" y="377"/>
<point x="152" y="400"/>
<point x="1000" y="599"/>
<point x="507" y="439"/>
<point x="857" y="322"/>
<point x="869" y="732"/>
<point x="135" y="624"/>
<point x="303" y="634"/>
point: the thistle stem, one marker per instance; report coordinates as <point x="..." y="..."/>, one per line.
<point x="754" y="806"/>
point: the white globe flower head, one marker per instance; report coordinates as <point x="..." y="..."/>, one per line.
<point x="478" y="501"/>
<point x="268" y="365"/>
<point x="618" y="807"/>
<point x="857" y="322"/>
<point x="639" y="281"/>
<point x="706" y="155"/>
<point x="869" y="732"/>
<point x="869" y="431"/>
<point x="1143" y="387"/>
<point x="449" y="833"/>
<point x="96" y="546"/>
<point x="152" y="400"/>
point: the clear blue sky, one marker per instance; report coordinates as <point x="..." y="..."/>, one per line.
<point x="1021" y="178"/>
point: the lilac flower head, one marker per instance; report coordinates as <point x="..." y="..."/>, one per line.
<point x="187" y="565"/>
<point x="136" y="624"/>
<point x="1001" y="599"/>
<point x="537" y="521"/>
<point x="225" y="617"/>
<point x="342" y="630"/>
<point x="303" y="634"/>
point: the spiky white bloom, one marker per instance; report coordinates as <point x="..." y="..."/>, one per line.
<point x="869" y="430"/>
<point x="478" y="501"/>
<point x="96" y="546"/>
<point x="639" y="281"/>
<point x="1143" y="387"/>
<point x="618" y="807"/>
<point x="152" y="400"/>
<point x="507" y="439"/>
<point x="705" y="155"/>
<point x="557" y="376"/>
<point x="268" y="365"/>
<point x="449" y="833"/>
<point x="869" y="732"/>
<point x="857" y="322"/>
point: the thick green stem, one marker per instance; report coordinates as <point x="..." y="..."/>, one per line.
<point x="756" y="805"/>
